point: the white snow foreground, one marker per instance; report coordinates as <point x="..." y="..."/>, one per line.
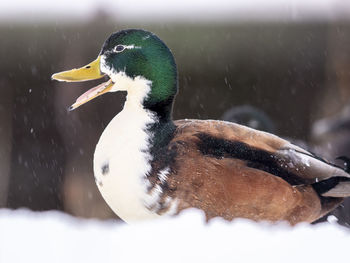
<point x="56" y="237"/>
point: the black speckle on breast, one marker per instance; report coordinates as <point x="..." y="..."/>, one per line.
<point x="105" y="168"/>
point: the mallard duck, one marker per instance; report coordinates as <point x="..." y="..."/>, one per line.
<point x="147" y="165"/>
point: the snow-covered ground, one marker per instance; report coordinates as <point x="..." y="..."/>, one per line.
<point x="56" y="237"/>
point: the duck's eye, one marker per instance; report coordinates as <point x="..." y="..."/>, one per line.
<point x="119" y="48"/>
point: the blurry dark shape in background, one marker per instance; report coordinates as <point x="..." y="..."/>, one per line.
<point x="249" y="116"/>
<point x="296" y="73"/>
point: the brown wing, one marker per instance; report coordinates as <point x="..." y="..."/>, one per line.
<point x="226" y="139"/>
<point x="232" y="171"/>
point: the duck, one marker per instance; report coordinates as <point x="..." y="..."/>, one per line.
<point x="147" y="165"/>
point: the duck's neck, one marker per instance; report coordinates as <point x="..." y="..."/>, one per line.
<point x="160" y="128"/>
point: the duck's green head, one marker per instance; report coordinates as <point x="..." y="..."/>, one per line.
<point x="130" y="58"/>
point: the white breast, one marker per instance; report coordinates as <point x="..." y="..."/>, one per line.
<point x="122" y="159"/>
<point x="121" y="163"/>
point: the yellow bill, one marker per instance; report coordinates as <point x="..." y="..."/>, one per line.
<point x="89" y="72"/>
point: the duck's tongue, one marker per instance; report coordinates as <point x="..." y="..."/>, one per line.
<point x="92" y="93"/>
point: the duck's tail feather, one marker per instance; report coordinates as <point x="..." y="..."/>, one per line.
<point x="342" y="189"/>
<point x="335" y="186"/>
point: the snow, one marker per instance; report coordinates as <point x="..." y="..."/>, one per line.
<point x="56" y="237"/>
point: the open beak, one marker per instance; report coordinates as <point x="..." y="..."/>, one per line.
<point x="89" y="72"/>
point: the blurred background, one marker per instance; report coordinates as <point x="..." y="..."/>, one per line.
<point x="281" y="66"/>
